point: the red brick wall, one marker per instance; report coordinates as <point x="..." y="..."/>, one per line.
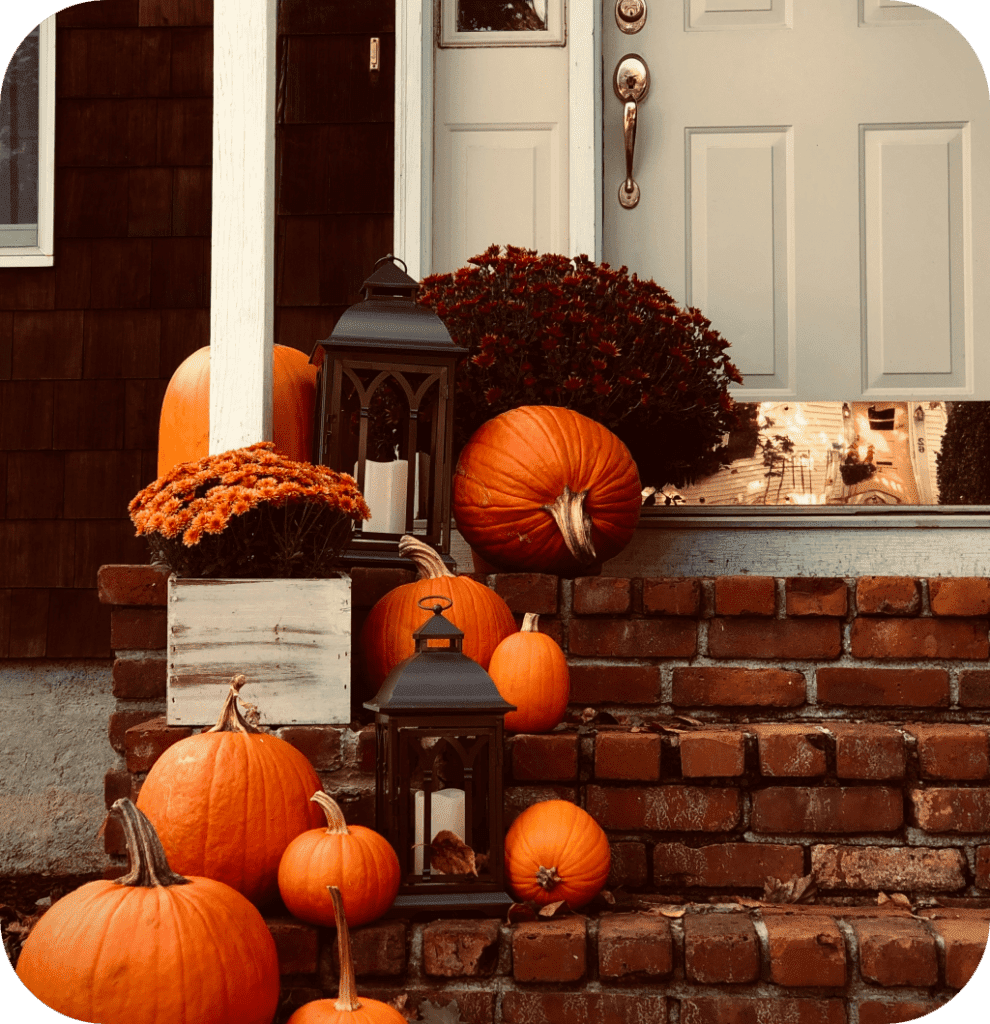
<point x="799" y="748"/>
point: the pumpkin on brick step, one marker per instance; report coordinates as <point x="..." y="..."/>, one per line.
<point x="152" y="947"/>
<point x="228" y="801"/>
<point x="545" y="489"/>
<point x="386" y="637"/>
<point x="347" y="1008"/>
<point x="184" y="426"/>
<point x="529" y="670"/>
<point x="556" y="851"/>
<point x="357" y="859"/>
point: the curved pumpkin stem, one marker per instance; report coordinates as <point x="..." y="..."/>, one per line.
<point x="574" y="523"/>
<point x="231" y="719"/>
<point x="547" y="878"/>
<point x="347" y="993"/>
<point x="428" y="563"/>
<point x="335" y="816"/>
<point x="530" y="623"/>
<point x="145" y="854"/>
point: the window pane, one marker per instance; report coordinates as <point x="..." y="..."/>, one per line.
<point x="849" y="453"/>
<point x="19" y="147"/>
<point x="501" y="15"/>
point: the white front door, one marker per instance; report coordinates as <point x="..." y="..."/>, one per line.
<point x="500" y="158"/>
<point x="813" y="176"/>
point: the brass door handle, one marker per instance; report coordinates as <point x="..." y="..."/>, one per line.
<point x="631" y="83"/>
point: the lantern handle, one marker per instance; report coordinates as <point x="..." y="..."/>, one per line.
<point x="435" y="608"/>
<point x="394" y="259"/>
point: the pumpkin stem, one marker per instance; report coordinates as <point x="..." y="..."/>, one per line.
<point x="428" y="563"/>
<point x="347" y="993"/>
<point x="335" y="816"/>
<point x="231" y="719"/>
<point x="547" y="878"/>
<point x="574" y="523"/>
<point x="145" y="854"/>
<point x="530" y="623"/>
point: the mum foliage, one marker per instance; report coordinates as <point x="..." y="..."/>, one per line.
<point x="248" y="513"/>
<point x="551" y="330"/>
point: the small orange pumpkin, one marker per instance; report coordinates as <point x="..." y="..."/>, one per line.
<point x="386" y="637"/>
<point x="555" y="851"/>
<point x="357" y="859"/>
<point x="184" y="426"/>
<point x="228" y="801"/>
<point x="544" y="489"/>
<point x="347" y="1008"/>
<point x="529" y="670"/>
<point x="152" y="946"/>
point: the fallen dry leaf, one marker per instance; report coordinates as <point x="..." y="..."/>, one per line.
<point x="399" y="1002"/>
<point x="451" y="855"/>
<point x="800" y="889"/>
<point x="553" y="909"/>
<point x="520" y="912"/>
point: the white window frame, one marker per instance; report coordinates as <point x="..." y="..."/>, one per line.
<point x="42" y="254"/>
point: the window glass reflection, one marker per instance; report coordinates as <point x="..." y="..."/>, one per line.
<point x="501" y="15"/>
<point x="846" y="453"/>
<point x="19" y="146"/>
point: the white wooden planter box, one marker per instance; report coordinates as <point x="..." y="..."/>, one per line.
<point x="290" y="638"/>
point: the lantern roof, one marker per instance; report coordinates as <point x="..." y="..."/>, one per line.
<point x="389" y="320"/>
<point x="438" y="679"/>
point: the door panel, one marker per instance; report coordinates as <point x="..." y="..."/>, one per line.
<point x="814" y="178"/>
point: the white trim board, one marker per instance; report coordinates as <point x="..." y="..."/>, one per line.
<point x="42" y="254"/>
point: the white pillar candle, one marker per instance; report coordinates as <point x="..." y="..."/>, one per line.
<point x="446" y="813"/>
<point x="385" y="493"/>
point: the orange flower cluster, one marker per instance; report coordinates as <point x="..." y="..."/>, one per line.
<point x="252" y="511"/>
<point x="194" y="498"/>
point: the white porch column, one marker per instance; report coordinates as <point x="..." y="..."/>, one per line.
<point x="242" y="277"/>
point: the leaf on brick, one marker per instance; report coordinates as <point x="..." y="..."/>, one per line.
<point x="666" y="911"/>
<point x="433" y="1014"/>
<point x="558" y="908"/>
<point x="451" y="855"/>
<point x="520" y="912"/>
<point x="745" y="901"/>
<point x="897" y="898"/>
<point x="799" y="889"/>
<point x="400" y="1003"/>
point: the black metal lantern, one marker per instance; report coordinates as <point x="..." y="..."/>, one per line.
<point x="439" y="731"/>
<point x="384" y="413"/>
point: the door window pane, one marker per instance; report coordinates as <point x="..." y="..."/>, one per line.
<point x="501" y="15"/>
<point x="19" y="147"/>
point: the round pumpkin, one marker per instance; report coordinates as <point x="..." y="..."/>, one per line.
<point x="358" y="860"/>
<point x="386" y="636"/>
<point x="556" y="851"/>
<point x="529" y="670"/>
<point x="153" y="947"/>
<point x="545" y="489"/>
<point x="228" y="801"/>
<point x="347" y="1008"/>
<point x="184" y="426"/>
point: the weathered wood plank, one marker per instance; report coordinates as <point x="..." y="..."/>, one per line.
<point x="291" y="638"/>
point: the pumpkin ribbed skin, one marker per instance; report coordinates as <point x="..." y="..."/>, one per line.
<point x="184" y="426"/>
<point x="227" y="804"/>
<point x="520" y="462"/>
<point x="159" y="954"/>
<point x="359" y="861"/>
<point x="529" y="670"/>
<point x="386" y="637"/>
<point x="555" y="839"/>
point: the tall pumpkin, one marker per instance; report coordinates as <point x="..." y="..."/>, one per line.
<point x="227" y="802"/>
<point x="529" y="670"/>
<point x="386" y="637"/>
<point x="184" y="426"/>
<point x="545" y="489"/>
<point x="153" y="947"/>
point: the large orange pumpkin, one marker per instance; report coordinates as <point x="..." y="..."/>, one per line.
<point x="476" y="610"/>
<point x="545" y="489"/>
<point x="184" y="426"/>
<point x="153" y="947"/>
<point x="227" y="802"/>
<point x="529" y="670"/>
<point x="357" y="859"/>
<point x="555" y="851"/>
<point x="347" y="1008"/>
